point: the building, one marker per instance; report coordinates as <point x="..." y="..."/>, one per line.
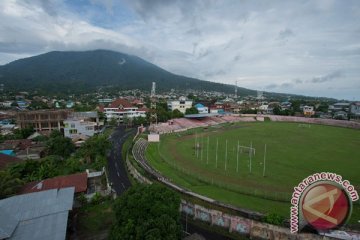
<point x="308" y="111"/>
<point x="182" y="104"/>
<point x="341" y="115"/>
<point x="6" y="104"/>
<point x="36" y="216"/>
<point x="78" y="181"/>
<point x="355" y="110"/>
<point x="42" y="120"/>
<point x="201" y="108"/>
<point x="81" y="123"/>
<point x="341" y="106"/>
<point x="121" y="109"/>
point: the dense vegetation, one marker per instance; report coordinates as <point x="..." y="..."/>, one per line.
<point x="62" y="160"/>
<point x="147" y="212"/>
<point x="83" y="71"/>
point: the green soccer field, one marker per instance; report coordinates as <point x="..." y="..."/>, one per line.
<point x="208" y="161"/>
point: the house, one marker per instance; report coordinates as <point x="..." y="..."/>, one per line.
<point x="78" y="181"/>
<point x="37" y="215"/>
<point x="81" y="123"/>
<point x="24" y="148"/>
<point x="342" y="115"/>
<point x="70" y="104"/>
<point x="201" y="108"/>
<point x="308" y="111"/>
<point x="213" y="109"/>
<point x="341" y="106"/>
<point x="285" y="106"/>
<point x="33" y="152"/>
<point x="6" y="104"/>
<point x="121" y="109"/>
<point x="355" y="110"/>
<point x="182" y="104"/>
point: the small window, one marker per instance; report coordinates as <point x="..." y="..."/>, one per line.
<point x="73" y="131"/>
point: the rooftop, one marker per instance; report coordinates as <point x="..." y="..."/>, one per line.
<point x="78" y="180"/>
<point x="40" y="216"/>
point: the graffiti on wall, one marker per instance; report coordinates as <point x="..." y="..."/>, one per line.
<point x="240" y="225"/>
<point x="220" y="219"/>
<point x="202" y="213"/>
<point x="187" y="208"/>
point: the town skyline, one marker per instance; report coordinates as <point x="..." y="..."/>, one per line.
<point x="309" y="48"/>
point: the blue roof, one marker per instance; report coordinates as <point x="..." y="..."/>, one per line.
<point x="8" y="152"/>
<point x="199" y="105"/>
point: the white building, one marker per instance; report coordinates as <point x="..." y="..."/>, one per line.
<point x="201" y="108"/>
<point x="121" y="108"/>
<point x="308" y="111"/>
<point x="182" y="104"/>
<point x="81" y="124"/>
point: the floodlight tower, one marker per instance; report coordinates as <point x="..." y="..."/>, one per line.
<point x="236" y="89"/>
<point x="153" y="115"/>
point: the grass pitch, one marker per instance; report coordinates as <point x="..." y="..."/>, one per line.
<point x="198" y="160"/>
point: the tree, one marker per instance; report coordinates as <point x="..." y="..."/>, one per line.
<point x="24" y="133"/>
<point x="147" y="212"/>
<point x="8" y="184"/>
<point x="113" y="122"/>
<point x="59" y="145"/>
<point x="32" y="170"/>
<point x="177" y="114"/>
<point x="139" y="120"/>
<point x="277" y="110"/>
<point x="192" y="110"/>
<point x="95" y="147"/>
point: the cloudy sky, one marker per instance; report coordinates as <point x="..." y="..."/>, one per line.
<point x="303" y="47"/>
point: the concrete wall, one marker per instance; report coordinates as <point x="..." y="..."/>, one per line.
<point x="242" y="226"/>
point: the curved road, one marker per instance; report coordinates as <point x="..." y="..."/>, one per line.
<point x="116" y="164"/>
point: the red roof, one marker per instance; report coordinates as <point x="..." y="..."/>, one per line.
<point x="20" y="143"/>
<point x="78" y="180"/>
<point x="120" y="102"/>
<point x="6" y="159"/>
<point x="101" y="108"/>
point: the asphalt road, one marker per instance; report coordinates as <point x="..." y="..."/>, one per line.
<point x="116" y="164"/>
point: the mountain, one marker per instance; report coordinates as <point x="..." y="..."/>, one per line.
<point x="85" y="71"/>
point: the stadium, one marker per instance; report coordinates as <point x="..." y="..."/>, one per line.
<point x="252" y="162"/>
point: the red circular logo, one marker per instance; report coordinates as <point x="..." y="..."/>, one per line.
<point x="325" y="206"/>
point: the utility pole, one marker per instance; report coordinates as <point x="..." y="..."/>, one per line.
<point x="226" y="154"/>
<point x="237" y="157"/>
<point x="153" y="114"/>
<point x="250" y="154"/>
<point x="264" y="160"/>
<point x="207" y="152"/>
<point x="217" y="146"/>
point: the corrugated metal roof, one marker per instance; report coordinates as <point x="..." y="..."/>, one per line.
<point x="7" y="224"/>
<point x="41" y="214"/>
<point x="77" y="180"/>
<point x="44" y="228"/>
